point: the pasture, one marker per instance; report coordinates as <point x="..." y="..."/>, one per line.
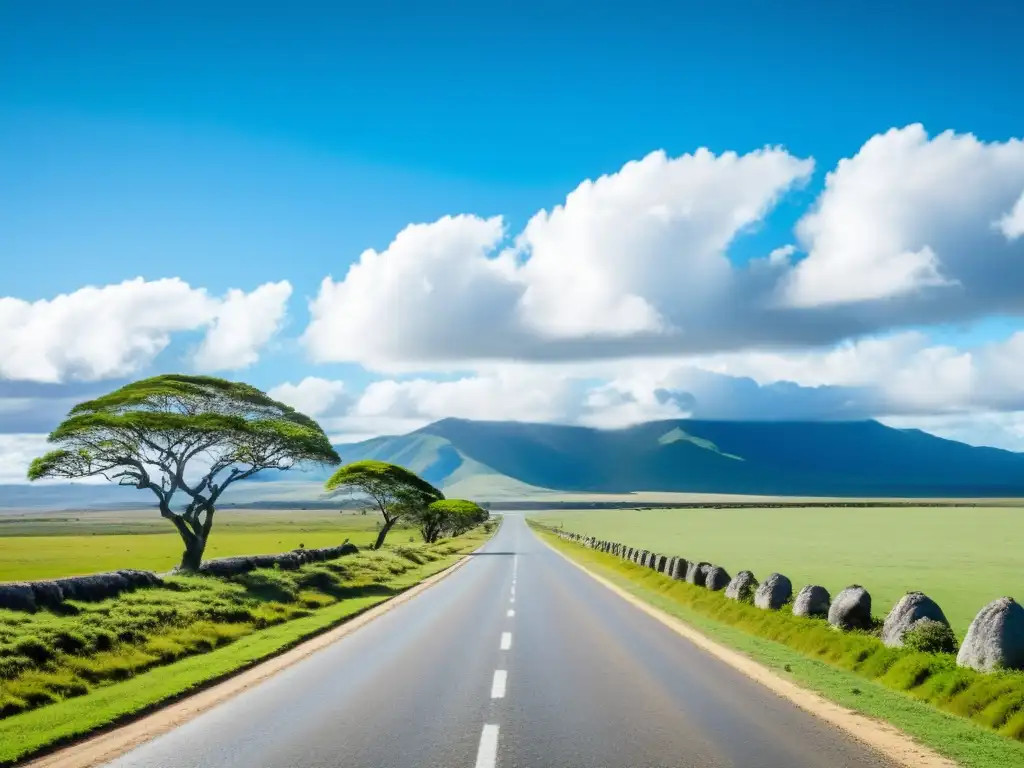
<point x="962" y="557"/>
<point x="37" y="545"/>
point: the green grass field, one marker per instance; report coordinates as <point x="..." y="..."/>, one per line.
<point x="39" y="546"/>
<point x="962" y="557"/>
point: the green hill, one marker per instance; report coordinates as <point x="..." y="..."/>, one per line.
<point x="506" y="461"/>
<point x="862" y="458"/>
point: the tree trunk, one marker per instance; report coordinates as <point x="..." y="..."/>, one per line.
<point x="192" y="557"/>
<point x="383" y="533"/>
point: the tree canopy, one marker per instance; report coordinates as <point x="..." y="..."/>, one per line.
<point x="455" y="516"/>
<point x="396" y="492"/>
<point x="193" y="434"/>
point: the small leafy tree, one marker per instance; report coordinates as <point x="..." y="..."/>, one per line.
<point x="196" y="435"/>
<point x="432" y="520"/>
<point x="459" y="515"/>
<point x="395" y="491"/>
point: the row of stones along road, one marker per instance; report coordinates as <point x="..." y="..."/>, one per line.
<point x="487" y="753"/>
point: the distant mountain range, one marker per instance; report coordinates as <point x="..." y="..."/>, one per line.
<point x="487" y="460"/>
<point x="853" y="458"/>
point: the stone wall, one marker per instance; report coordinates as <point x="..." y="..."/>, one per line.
<point x="994" y="641"/>
<point x="289" y="561"/>
<point x="51" y="593"/>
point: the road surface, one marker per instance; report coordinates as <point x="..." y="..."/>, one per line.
<point x="516" y="660"/>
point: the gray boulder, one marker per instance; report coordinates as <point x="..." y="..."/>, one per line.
<point x="742" y="587"/>
<point x="234" y="566"/>
<point x="696" y="573"/>
<point x="911" y="608"/>
<point x="289" y="561"/>
<point x="716" y="578"/>
<point x="137" y="579"/>
<point x="995" y="639"/>
<point x="774" y="592"/>
<point x="230" y="566"/>
<point x="17" y="596"/>
<point x="812" y="600"/>
<point x="98" y="586"/>
<point x="851" y="609"/>
<point x="679" y="568"/>
<point x="47" y="594"/>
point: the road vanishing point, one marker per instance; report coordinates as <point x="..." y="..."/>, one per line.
<point x="518" y="659"/>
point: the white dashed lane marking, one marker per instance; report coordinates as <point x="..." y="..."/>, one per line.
<point x="487" y="754"/>
<point x="506" y="640"/>
<point x="499" y="683"/>
<point x="511" y="612"/>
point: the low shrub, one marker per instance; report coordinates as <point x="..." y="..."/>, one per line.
<point x="928" y="636"/>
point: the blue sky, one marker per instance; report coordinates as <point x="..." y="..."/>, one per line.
<point x="234" y="145"/>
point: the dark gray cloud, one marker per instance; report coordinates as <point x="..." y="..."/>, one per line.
<point x="29" y="407"/>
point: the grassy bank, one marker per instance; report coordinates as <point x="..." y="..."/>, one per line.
<point x="975" y="719"/>
<point x="888" y="550"/>
<point x="64" y="676"/>
<point x="42" y="546"/>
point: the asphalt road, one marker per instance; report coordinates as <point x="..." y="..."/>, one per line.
<point x="517" y="660"/>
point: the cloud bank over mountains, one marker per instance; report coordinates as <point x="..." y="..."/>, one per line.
<point x="624" y="303"/>
<point x="909" y="231"/>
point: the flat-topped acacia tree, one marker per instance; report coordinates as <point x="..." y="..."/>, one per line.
<point x="196" y="435"/>
<point x="395" y="491"/>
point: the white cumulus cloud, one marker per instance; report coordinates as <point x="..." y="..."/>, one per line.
<point x="638" y="254"/>
<point x="243" y="323"/>
<point x="16" y="453"/>
<point x="312" y="396"/>
<point x="114" y="330"/>
<point x="907" y="213"/>
<point x="636" y="263"/>
<point x="1012" y="224"/>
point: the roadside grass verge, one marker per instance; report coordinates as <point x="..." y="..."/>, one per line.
<point x="210" y="629"/>
<point x="983" y="719"/>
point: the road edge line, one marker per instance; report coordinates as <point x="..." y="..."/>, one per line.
<point x="881" y="736"/>
<point x="93" y="751"/>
